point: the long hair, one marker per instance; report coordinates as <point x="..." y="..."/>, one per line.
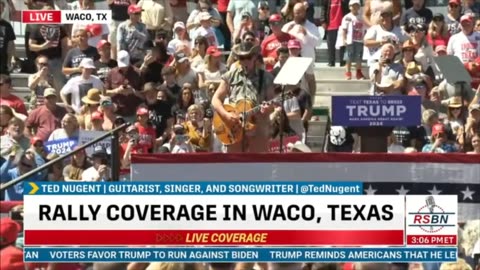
<point x="434" y="32"/>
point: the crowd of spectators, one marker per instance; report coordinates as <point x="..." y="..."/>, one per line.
<point x="160" y="73"/>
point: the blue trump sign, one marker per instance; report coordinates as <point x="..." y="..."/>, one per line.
<point x="383" y="111"/>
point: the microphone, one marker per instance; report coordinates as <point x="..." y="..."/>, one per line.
<point x="430" y="201"/>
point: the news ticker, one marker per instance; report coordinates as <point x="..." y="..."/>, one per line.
<point x="60" y="214"/>
<point x="66" y="16"/>
<point x="231" y="254"/>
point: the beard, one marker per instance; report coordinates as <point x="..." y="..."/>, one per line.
<point x="300" y="20"/>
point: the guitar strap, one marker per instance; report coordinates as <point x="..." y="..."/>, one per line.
<point x="260" y="83"/>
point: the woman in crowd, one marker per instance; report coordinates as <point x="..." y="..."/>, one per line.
<point x="198" y="129"/>
<point x="185" y="100"/>
<point x="438" y="31"/>
<point x="199" y="51"/>
<point x="14" y="139"/>
<point x="69" y="129"/>
<point x="55" y="172"/>
<point x="107" y="108"/>
<point x="180" y="37"/>
<point x="456" y="115"/>
<point x="78" y="164"/>
<point x="39" y="81"/>
<point x="91" y="105"/>
<point x="213" y="69"/>
<point x="475" y="144"/>
<point x="408" y="53"/>
<point x="372" y="10"/>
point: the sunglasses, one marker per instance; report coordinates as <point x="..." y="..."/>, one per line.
<point x="247" y="57"/>
<point x="26" y="165"/>
<point x="107" y="103"/>
<point x="275" y="23"/>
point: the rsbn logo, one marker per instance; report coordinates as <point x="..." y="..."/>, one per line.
<point x="431" y="218"/>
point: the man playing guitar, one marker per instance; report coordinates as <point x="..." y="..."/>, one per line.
<point x="246" y="82"/>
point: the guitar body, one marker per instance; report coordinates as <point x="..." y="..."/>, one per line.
<point x="227" y="134"/>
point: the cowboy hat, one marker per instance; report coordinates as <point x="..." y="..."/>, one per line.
<point x="245" y="49"/>
<point x="92" y="97"/>
<point x="455" y="102"/>
<point x="412" y="70"/>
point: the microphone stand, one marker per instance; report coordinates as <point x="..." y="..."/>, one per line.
<point x="282" y="121"/>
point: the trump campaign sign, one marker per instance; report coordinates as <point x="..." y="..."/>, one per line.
<point x="387" y="111"/>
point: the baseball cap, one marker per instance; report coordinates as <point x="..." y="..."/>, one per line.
<point x="474" y="107"/>
<point x="275" y="18"/>
<point x="353" y="2"/>
<point x="123" y="59"/>
<point x="204" y="16"/>
<point x="87" y="63"/>
<point x="440" y="48"/>
<point x="246" y="14"/>
<point x="180" y="25"/>
<point x="12" y="259"/>
<point x="94" y="29"/>
<point x="142" y="111"/>
<point x="213" y="51"/>
<point x="105" y="101"/>
<point x="262" y="5"/>
<point x="438" y="129"/>
<point x="180" y="57"/>
<point x="9" y="230"/>
<point x="49" y="92"/>
<point x="466" y="18"/>
<point x="294" y="44"/>
<point x="35" y="140"/>
<point x="134" y="9"/>
<point x="99" y="151"/>
<point x="454" y="2"/>
<point x="102" y="43"/>
<point x="439" y="16"/>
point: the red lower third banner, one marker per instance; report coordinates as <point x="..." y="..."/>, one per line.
<point x="217" y="238"/>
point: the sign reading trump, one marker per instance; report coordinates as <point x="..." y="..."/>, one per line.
<point x="365" y="111"/>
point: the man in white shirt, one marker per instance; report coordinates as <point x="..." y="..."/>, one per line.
<point x="307" y="33"/>
<point x="100" y="171"/>
<point x="77" y="87"/>
<point x="465" y="44"/>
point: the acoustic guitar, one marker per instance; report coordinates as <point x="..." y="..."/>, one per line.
<point x="228" y="134"/>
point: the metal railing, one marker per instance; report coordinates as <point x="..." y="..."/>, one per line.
<point x="115" y="159"/>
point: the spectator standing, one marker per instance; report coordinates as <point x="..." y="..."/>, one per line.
<point x="105" y="63"/>
<point x="132" y="35"/>
<point x="373" y="8"/>
<point x="193" y="21"/>
<point x="42" y="121"/>
<point x="7" y="46"/>
<point x="12" y="256"/>
<point x="287" y="9"/>
<point x="184" y="101"/>
<point x="465" y="44"/>
<point x="205" y="29"/>
<point x="99" y="171"/>
<point x="9" y="99"/>
<point x="198" y="129"/>
<point x="91" y="105"/>
<point x="352" y="32"/>
<point x="78" y="164"/>
<point x="119" y="14"/>
<point x="184" y="72"/>
<point x="454" y="12"/>
<point x="274" y="41"/>
<point x="198" y="52"/>
<point x="417" y="14"/>
<point x="121" y="84"/>
<point x="78" y="87"/>
<point x="180" y="37"/>
<point x="71" y="64"/>
<point x="438" y="34"/>
<point x="157" y="15"/>
<point x="152" y="66"/>
<point x="263" y="25"/>
<point x="332" y="13"/>
<point x="51" y="41"/>
<point x="235" y="12"/>
<point x="475" y="144"/>
<point x="246" y="26"/>
<point x="210" y="73"/>
<point x="222" y="9"/>
<point x="168" y="75"/>
<point x="38" y="82"/>
<point x="307" y="33"/>
<point x="159" y="113"/>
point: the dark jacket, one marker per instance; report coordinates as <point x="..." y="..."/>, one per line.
<point x="325" y="16"/>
